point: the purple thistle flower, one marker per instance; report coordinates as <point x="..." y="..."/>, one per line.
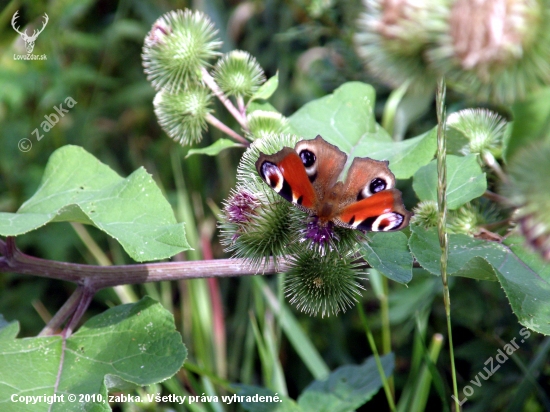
<point x="239" y="208"/>
<point x="320" y="235"/>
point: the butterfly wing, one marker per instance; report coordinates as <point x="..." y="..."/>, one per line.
<point x="307" y="176"/>
<point x="369" y="199"/>
<point x="383" y="211"/>
<point x="285" y="173"/>
<point x="323" y="163"/>
<point x="302" y="175"/>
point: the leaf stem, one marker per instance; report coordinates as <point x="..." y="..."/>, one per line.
<point x="495" y="197"/>
<point x="490" y="161"/>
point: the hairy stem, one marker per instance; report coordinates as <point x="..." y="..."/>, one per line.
<point x="62" y="314"/>
<point x="226" y="129"/>
<point x="86" y="297"/>
<point x="211" y="83"/>
<point x="99" y="277"/>
<point x="495" y="197"/>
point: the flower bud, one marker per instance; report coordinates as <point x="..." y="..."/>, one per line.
<point x="527" y="189"/>
<point x="463" y="220"/>
<point x="483" y="129"/>
<point x="326" y="283"/>
<point x="425" y="214"/>
<point x="183" y="115"/>
<point x="238" y="74"/>
<point x="263" y="123"/>
<point x="179" y="44"/>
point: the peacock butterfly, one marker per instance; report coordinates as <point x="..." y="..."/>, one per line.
<point x="308" y="176"/>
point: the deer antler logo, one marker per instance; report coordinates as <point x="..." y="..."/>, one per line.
<point x="29" y="40"/>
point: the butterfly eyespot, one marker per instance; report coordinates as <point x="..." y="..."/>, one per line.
<point x="272" y="175"/>
<point x="308" y="158"/>
<point x="377" y="185"/>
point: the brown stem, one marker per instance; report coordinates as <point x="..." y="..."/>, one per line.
<point x="62" y="314"/>
<point x="226" y="129"/>
<point x="99" y="277"/>
<point x="211" y="83"/>
<point x="495" y="197"/>
<point x="86" y="297"/>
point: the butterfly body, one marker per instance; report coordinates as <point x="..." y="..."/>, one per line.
<point x="316" y="177"/>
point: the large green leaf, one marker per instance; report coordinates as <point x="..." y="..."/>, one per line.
<point x="389" y="254"/>
<point x="465" y="181"/>
<point x="346" y="388"/>
<point x="346" y="119"/>
<point x="128" y="345"/>
<point x="524" y="278"/>
<point x="76" y="187"/>
<point x="424" y="245"/>
<point x="517" y="244"/>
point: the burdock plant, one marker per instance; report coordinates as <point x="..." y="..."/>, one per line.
<point x="495" y="50"/>
<point x="238" y="74"/>
<point x="256" y="223"/>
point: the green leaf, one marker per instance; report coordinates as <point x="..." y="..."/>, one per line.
<point x="128" y="345"/>
<point x="424" y="245"/>
<point x="76" y="187"/>
<point x="406" y="156"/>
<point x="465" y="181"/>
<point x="8" y="330"/>
<point x="347" y="388"/>
<point x="477" y="268"/>
<point x="389" y="253"/>
<point x="215" y="148"/>
<point x="267" y="89"/>
<point x="517" y="244"/>
<point x="271" y="401"/>
<point x="343" y="118"/>
<point x="524" y="278"/>
<point x="346" y="119"/>
<point x="531" y="122"/>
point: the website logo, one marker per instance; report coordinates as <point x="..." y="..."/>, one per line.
<point x="29" y="40"/>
